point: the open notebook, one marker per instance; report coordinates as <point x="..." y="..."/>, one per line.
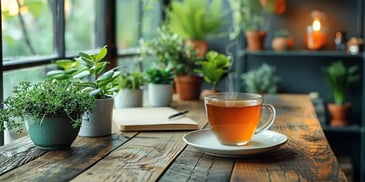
<point x="151" y="119"/>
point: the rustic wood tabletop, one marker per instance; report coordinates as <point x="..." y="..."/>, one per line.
<point x="164" y="156"/>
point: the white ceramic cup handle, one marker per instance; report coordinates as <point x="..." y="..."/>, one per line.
<point x="270" y="120"/>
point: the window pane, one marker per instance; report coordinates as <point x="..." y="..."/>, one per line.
<point x="128" y="23"/>
<point x="22" y="26"/>
<point x="79" y="25"/>
<point x="14" y="77"/>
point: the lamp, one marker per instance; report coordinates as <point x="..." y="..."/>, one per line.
<point x="316" y="32"/>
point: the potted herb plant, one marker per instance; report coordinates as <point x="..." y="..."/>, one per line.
<point x="340" y="78"/>
<point x="213" y="68"/>
<point x="51" y="109"/>
<point x="160" y="88"/>
<point x="249" y="16"/>
<point x="130" y="90"/>
<point x="187" y="81"/>
<point x="261" y="80"/>
<point x="196" y="20"/>
<point x="91" y="70"/>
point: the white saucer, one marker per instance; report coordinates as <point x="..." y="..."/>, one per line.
<point x="205" y="141"/>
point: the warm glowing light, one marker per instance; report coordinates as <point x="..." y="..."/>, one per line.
<point x="11" y="6"/>
<point x="316" y="24"/>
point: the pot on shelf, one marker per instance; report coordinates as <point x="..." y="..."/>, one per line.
<point x="339" y="114"/>
<point x="255" y="40"/>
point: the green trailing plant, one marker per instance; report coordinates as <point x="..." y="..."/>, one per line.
<point x="44" y="98"/>
<point x="164" y="49"/>
<point x="193" y="19"/>
<point x="134" y="80"/>
<point x="159" y="75"/>
<point x="246" y="15"/>
<point x="214" y="67"/>
<point x="340" y="78"/>
<point x="261" y="80"/>
<point x="91" y="70"/>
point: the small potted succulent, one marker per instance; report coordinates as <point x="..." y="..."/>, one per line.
<point x="282" y="41"/>
<point x="91" y="70"/>
<point x="130" y="86"/>
<point x="213" y="68"/>
<point x="160" y="86"/>
<point x="261" y="80"/>
<point x="51" y="109"/>
<point x="340" y="78"/>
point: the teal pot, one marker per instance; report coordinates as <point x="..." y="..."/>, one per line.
<point x="159" y="94"/>
<point x="99" y="122"/>
<point x="55" y="133"/>
<point x="128" y="98"/>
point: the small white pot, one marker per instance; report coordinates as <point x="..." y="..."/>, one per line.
<point x="160" y="94"/>
<point x="99" y="122"/>
<point x="128" y="98"/>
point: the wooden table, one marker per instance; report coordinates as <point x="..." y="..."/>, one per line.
<point x="164" y="156"/>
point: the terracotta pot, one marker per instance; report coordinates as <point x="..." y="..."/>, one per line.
<point x="338" y="114"/>
<point x="279" y="6"/>
<point x="282" y="43"/>
<point x="201" y="46"/>
<point x="255" y="40"/>
<point x="188" y="87"/>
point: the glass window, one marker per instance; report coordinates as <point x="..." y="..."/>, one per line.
<point x="22" y="25"/>
<point x="130" y="14"/>
<point x="80" y="17"/>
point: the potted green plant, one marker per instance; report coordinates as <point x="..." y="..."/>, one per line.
<point x="282" y="40"/>
<point x="249" y="16"/>
<point x="340" y="78"/>
<point x="91" y="69"/>
<point x="187" y="81"/>
<point x="130" y="90"/>
<point x="213" y="68"/>
<point x="51" y="109"/>
<point x="160" y="88"/>
<point x="261" y="80"/>
<point x="163" y="50"/>
<point x="196" y="20"/>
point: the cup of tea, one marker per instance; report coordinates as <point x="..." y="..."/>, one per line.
<point x="235" y="118"/>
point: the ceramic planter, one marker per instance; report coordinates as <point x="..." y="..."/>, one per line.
<point x="98" y="123"/>
<point x="188" y="87"/>
<point x="128" y="98"/>
<point x="55" y="133"/>
<point x="160" y="94"/>
<point x="338" y="114"/>
<point x="255" y="40"/>
<point x="201" y="46"/>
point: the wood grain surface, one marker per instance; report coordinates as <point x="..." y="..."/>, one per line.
<point x="164" y="156"/>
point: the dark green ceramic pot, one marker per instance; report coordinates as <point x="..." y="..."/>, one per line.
<point x="55" y="133"/>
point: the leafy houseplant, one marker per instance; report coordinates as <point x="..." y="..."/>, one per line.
<point x="91" y="70"/>
<point x="160" y="88"/>
<point x="52" y="110"/>
<point x="340" y="78"/>
<point x="249" y="16"/>
<point x="130" y="90"/>
<point x="196" y="20"/>
<point x="261" y="80"/>
<point x="214" y="67"/>
<point x="165" y="49"/>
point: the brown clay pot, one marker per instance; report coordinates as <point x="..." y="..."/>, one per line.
<point x="255" y="40"/>
<point x="338" y="114"/>
<point x="188" y="87"/>
<point x="279" y="5"/>
<point x="201" y="46"/>
<point x="282" y="43"/>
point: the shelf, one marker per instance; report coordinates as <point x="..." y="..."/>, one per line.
<point x="345" y="129"/>
<point x="301" y="53"/>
